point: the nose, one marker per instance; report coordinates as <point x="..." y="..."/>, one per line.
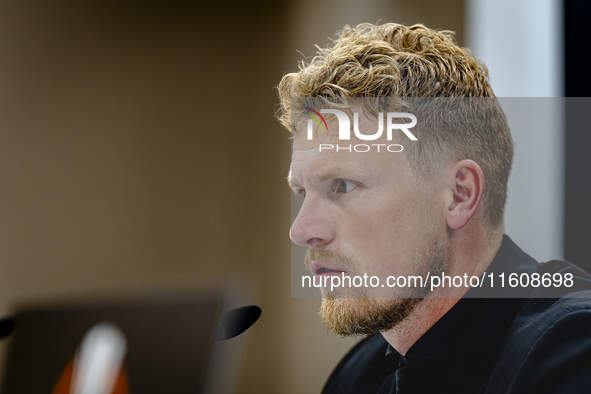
<point x="312" y="227"/>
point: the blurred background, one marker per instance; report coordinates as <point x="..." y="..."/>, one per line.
<point x="138" y="145"/>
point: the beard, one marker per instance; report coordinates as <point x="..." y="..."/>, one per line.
<point x="355" y="314"/>
<point x="349" y="317"/>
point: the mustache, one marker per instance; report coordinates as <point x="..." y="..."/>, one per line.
<point x="336" y="259"/>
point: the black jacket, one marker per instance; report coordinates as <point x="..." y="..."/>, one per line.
<point x="498" y="340"/>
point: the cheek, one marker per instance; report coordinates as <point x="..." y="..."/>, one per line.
<point x="383" y="220"/>
<point x="384" y="235"/>
<point x="368" y="223"/>
<point x="377" y="229"/>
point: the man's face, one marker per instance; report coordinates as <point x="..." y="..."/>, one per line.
<point x="365" y="213"/>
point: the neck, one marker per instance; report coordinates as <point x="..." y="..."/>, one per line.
<point x="481" y="249"/>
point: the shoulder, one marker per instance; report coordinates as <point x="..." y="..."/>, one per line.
<point x="548" y="346"/>
<point x="559" y="360"/>
<point x="361" y="368"/>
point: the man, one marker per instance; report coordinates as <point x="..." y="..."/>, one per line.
<point x="423" y="202"/>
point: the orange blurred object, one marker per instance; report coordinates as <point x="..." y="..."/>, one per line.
<point x="65" y="381"/>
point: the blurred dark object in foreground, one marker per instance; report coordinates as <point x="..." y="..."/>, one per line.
<point x="6" y="327"/>
<point x="577" y="209"/>
<point x="237" y="320"/>
<point x="146" y="345"/>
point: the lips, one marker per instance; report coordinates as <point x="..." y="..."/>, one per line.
<point x="321" y="268"/>
<point x="325" y="270"/>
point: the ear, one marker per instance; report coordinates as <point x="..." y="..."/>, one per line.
<point x="466" y="181"/>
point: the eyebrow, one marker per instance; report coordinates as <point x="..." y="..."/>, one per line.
<point x="335" y="172"/>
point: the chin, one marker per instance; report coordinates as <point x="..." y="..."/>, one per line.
<point x="365" y="316"/>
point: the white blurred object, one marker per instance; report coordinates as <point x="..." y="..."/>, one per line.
<point x="99" y="360"/>
<point x="521" y="43"/>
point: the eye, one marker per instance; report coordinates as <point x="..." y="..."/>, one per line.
<point x="301" y="192"/>
<point x="343" y="186"/>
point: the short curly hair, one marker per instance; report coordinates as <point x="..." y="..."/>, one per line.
<point x="406" y="62"/>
